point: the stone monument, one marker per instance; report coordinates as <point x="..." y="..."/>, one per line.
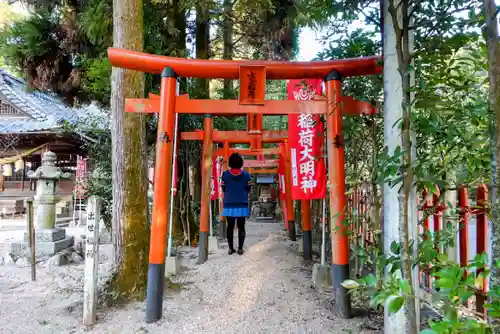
<point x="48" y="238"/>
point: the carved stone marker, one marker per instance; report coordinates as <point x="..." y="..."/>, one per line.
<point x="49" y="238"/>
<point x="91" y="261"/>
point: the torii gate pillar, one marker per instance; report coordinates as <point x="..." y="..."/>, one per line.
<point x="336" y="180"/>
<point x="161" y="197"/>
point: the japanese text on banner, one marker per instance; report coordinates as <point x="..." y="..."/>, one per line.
<point x="305" y="135"/>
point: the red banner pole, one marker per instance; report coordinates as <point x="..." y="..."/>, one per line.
<point x="336" y="178"/>
<point x="306" y="228"/>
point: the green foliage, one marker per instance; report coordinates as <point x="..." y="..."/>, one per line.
<point x="96" y="134"/>
<point x="452" y="116"/>
<point x="8" y="15"/>
<point x="96" y="83"/>
<point x="28" y="38"/>
<point x="453" y="286"/>
<point x="96" y="20"/>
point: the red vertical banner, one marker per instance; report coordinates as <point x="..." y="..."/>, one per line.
<point x="81" y="177"/>
<point x="305" y="136"/>
<point x="214" y="180"/>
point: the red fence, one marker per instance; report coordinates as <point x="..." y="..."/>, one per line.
<point x="431" y="214"/>
<point x="433" y="208"/>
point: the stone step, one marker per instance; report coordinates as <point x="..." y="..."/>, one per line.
<point x="18" y="249"/>
<point x="47" y="235"/>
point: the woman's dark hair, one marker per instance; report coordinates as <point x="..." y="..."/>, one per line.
<point x="235" y="161"/>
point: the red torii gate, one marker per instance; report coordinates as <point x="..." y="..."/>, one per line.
<point x="256" y="136"/>
<point x="252" y="76"/>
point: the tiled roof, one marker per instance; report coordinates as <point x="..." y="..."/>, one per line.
<point x="47" y="112"/>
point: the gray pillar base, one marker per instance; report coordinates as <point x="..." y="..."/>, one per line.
<point x="203" y="248"/>
<point x="322" y="276"/>
<point x="47" y="234"/>
<point x="213" y="245"/>
<point x="47" y="248"/>
<point x="172" y="265"/>
<point x="307" y="245"/>
<point x="222" y="230"/>
<point x="301" y="246"/>
<point x="340" y="273"/>
<point x="154" y="294"/>
<point x="292" y="234"/>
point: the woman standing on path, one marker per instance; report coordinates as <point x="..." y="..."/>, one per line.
<point x="236" y="185"/>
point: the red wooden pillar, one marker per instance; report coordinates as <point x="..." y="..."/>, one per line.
<point x="283" y="181"/>
<point x="427" y="230"/>
<point x="463" y="202"/>
<point x="481" y="242"/>
<point x="260" y="127"/>
<point x="161" y="197"/>
<point x="336" y="181"/>
<point x="437" y="216"/>
<point x="288" y="186"/>
<point x="206" y="173"/>
<point x="306" y="228"/>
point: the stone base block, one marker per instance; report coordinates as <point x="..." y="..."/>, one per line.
<point x="301" y="246"/>
<point x="172" y="266"/>
<point x="213" y="245"/>
<point x="322" y="276"/>
<point x="19" y="249"/>
<point x="47" y="235"/>
<point x="105" y="238"/>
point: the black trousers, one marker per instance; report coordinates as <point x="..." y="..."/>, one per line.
<point x="241" y="231"/>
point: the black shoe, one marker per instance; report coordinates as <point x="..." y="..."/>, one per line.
<point x="240" y="251"/>
<point x="231" y="252"/>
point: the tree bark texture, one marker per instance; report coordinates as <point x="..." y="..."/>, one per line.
<point x="492" y="41"/>
<point x="202" y="44"/>
<point x="228" y="43"/>
<point x="130" y="205"/>
<point x="398" y="201"/>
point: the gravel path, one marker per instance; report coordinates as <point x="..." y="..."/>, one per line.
<point x="267" y="290"/>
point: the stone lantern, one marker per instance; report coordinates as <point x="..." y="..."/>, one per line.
<point x="49" y="239"/>
<point x="47" y="176"/>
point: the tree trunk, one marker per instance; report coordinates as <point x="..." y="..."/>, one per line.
<point x="492" y="40"/>
<point x="130" y="205"/>
<point x="202" y="44"/>
<point x="393" y="100"/>
<point x="228" y="43"/>
<point x="202" y="85"/>
<point x="177" y="14"/>
<point x="398" y="207"/>
<point x="413" y="194"/>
